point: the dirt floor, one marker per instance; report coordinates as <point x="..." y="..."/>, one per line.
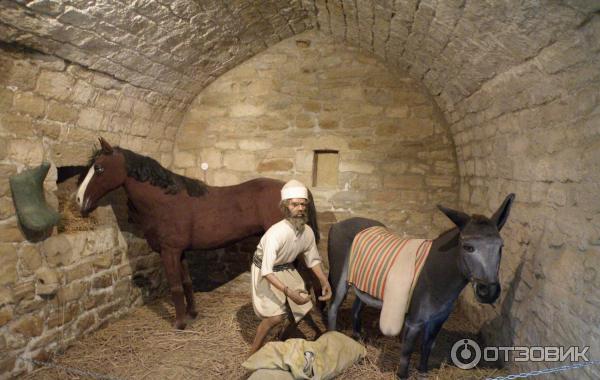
<point x="143" y="345"/>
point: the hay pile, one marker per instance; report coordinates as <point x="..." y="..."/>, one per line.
<point x="70" y="217"/>
<point x="143" y="345"/>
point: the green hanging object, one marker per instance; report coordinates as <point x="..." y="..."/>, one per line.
<point x="36" y="217"/>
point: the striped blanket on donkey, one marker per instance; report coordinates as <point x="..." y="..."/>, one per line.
<point x="387" y="267"/>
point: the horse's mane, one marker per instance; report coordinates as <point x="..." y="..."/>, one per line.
<point x="147" y="169"/>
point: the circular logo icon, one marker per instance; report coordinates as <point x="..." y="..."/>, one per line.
<point x="465" y="354"/>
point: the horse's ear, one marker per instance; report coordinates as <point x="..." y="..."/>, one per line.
<point x="106" y="148"/>
<point x="501" y="215"/>
<point x="457" y="217"/>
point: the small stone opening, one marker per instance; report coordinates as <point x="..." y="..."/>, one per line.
<point x="325" y="168"/>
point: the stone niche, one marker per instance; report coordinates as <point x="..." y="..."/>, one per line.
<point x="394" y="158"/>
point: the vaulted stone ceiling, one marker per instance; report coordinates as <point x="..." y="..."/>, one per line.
<point x="178" y="47"/>
<point x="174" y="47"/>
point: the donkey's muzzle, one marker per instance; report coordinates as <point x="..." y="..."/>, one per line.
<point x="487" y="293"/>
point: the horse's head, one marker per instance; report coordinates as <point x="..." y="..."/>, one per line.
<point x="106" y="173"/>
<point x="480" y="248"/>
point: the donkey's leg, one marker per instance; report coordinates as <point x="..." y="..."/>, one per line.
<point x="409" y="337"/>
<point x="188" y="288"/>
<point x="172" y="263"/>
<point x="431" y="330"/>
<point x="357" y="308"/>
<point x="340" y="294"/>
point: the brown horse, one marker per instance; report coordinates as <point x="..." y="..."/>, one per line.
<point x="178" y="213"/>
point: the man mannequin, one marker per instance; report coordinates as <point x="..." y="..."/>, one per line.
<point x="276" y="285"/>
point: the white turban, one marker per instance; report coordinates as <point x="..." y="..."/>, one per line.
<point x="294" y="189"/>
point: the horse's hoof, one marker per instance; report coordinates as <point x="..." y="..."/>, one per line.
<point x="191" y="315"/>
<point x="179" y="325"/>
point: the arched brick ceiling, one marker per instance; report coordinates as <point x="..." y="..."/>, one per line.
<point x="173" y="47"/>
<point x="178" y="47"/>
<point x="453" y="46"/>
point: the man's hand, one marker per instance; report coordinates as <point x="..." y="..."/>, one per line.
<point x="297" y="295"/>
<point x="325" y="291"/>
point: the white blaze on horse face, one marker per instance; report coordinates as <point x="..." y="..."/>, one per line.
<point x="83" y="186"/>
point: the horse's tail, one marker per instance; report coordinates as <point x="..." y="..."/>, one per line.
<point x="312" y="217"/>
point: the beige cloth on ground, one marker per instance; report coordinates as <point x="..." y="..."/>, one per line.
<point x="324" y="358"/>
<point x="281" y="245"/>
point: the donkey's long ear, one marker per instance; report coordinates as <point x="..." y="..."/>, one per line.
<point x="501" y="215"/>
<point x="457" y="217"/>
<point x="106" y="148"/>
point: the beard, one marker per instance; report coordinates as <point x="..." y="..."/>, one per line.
<point x="297" y="221"/>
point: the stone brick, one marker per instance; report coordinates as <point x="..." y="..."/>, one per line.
<point x="79" y="272"/>
<point x="72" y="292"/>
<point x="61" y="112"/>
<point x="57" y="250"/>
<point x="15" y="124"/>
<point x="102" y="281"/>
<point x="8" y="263"/>
<point x="60" y="316"/>
<point x="239" y="161"/>
<point x="6" y="315"/>
<point x="29" y="152"/>
<point x="85" y="322"/>
<point x="30" y="259"/>
<point x="184" y="159"/>
<point x="404" y="181"/>
<point x="55" y="85"/>
<point x="29" y="326"/>
<point x="30" y="104"/>
<point x="274" y="165"/>
<point x="24" y="291"/>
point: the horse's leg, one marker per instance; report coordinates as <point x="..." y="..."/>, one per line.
<point x="357" y="308"/>
<point x="409" y="337"/>
<point x="171" y="259"/>
<point x="188" y="288"/>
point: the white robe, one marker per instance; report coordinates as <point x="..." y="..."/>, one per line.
<point x="281" y="245"/>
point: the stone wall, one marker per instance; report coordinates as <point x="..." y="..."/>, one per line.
<point x="53" y="110"/>
<point x="535" y="131"/>
<point x="267" y="116"/>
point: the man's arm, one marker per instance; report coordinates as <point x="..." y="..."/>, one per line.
<point x="325" y="287"/>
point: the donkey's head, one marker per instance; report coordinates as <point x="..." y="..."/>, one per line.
<point x="480" y="248"/>
<point x="106" y="173"/>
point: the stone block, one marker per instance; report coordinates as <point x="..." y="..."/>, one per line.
<point x="72" y="292"/>
<point x="405" y="181"/>
<point x="102" y="281"/>
<point x="30" y="259"/>
<point x="240" y="161"/>
<point x="17" y="125"/>
<point x="29" y="326"/>
<point x="356" y="166"/>
<point x="184" y="159"/>
<point x="29" y="152"/>
<point x="24" y="291"/>
<point x="274" y="166"/>
<point x="47" y="282"/>
<point x="62" y="315"/>
<point x="57" y="250"/>
<point x="85" y="322"/>
<point x="80" y="271"/>
<point x="30" y="104"/>
<point x="6" y="315"/>
<point x="8" y="263"/>
<point x="55" y="85"/>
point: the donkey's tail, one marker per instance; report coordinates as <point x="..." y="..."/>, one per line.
<point x="312" y="217"/>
